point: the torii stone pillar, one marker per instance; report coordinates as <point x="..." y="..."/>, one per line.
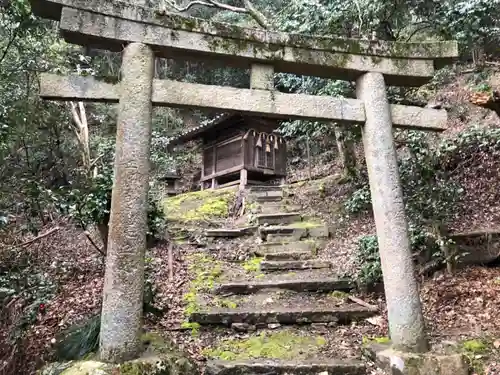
<point x="406" y="323"/>
<point x="121" y="321"/>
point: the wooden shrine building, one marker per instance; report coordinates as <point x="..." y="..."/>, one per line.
<point x="239" y="150"/>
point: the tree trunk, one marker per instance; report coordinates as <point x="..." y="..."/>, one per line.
<point x="345" y="147"/>
<point x="81" y="129"/>
<point x="309" y="161"/>
<point x="103" y="232"/>
<point x="441" y="233"/>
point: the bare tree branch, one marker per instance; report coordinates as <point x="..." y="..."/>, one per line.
<point x="257" y="15"/>
<point x="207" y="3"/>
<point x="9" y="44"/>
<point x="81" y="130"/>
<point x="39" y="237"/>
<point x="249" y="9"/>
<point x="360" y="16"/>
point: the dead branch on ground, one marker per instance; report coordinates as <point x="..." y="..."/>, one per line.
<point x="39" y="237"/>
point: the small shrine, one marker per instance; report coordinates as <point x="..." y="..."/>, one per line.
<point x="239" y="150"/>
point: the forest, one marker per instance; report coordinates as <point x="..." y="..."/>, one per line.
<point x="56" y="168"/>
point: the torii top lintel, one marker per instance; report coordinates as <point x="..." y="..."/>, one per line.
<point x="110" y="24"/>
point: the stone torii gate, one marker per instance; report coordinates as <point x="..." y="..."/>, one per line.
<point x="142" y="34"/>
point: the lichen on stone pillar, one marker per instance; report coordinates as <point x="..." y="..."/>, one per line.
<point x="406" y="323"/>
<point x="262" y="77"/>
<point x="121" y="320"/>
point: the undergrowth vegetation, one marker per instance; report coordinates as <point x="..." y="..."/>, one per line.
<point x="430" y="190"/>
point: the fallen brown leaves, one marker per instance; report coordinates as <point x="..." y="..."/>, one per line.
<point x="466" y="303"/>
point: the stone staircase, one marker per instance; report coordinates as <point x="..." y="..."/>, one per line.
<point x="293" y="289"/>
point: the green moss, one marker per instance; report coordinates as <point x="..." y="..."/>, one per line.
<point x="193" y="326"/>
<point x="253" y="207"/>
<point x="306" y="224"/>
<point x="338" y="294"/>
<point x="225" y="303"/>
<point x="279" y="345"/>
<point x="475" y="352"/>
<point x="252" y="265"/>
<point x="205" y="271"/>
<point x="377" y="340"/>
<point x="199" y="206"/>
<point x="135" y="368"/>
<point x="475" y="346"/>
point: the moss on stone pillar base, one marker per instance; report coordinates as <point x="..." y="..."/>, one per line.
<point x="159" y="358"/>
<point x="402" y="363"/>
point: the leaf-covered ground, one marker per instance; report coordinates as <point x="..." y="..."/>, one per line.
<point x="456" y="308"/>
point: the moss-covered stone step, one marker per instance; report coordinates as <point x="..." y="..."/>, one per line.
<point x="266" y="191"/>
<point x="282" y="233"/>
<point x="294" y="232"/>
<point x="237" y="232"/>
<point x="283" y="367"/>
<point x="284" y="246"/>
<point x="266" y="199"/>
<point x="295" y="284"/>
<point x="277" y="207"/>
<point x="289" y="255"/>
<point x="279" y="218"/>
<point x="285" y="265"/>
<point x="280" y="314"/>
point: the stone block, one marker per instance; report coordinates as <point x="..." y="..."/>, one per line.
<point x="279" y="218"/>
<point x="402" y="363"/>
<point x="321" y="231"/>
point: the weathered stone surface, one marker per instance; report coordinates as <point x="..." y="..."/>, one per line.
<point x="158" y="358"/>
<point x="406" y="323"/>
<point x="274" y="247"/>
<point x="428" y="119"/>
<point x="299" y="285"/>
<point x="239" y="232"/>
<point x="293" y="265"/>
<point x="243" y="327"/>
<point x="266" y="192"/>
<point x="260" y="188"/>
<point x="419" y="50"/>
<point x="262" y="77"/>
<point x="274" y="207"/>
<point x="402" y="363"/>
<point x="89" y="28"/>
<point x="128" y="24"/>
<point x="289" y="255"/>
<point x="279" y="218"/>
<point x="321" y="231"/>
<point x="277" y="367"/>
<point x="266" y="199"/>
<point x="278" y="314"/>
<point x="478" y="247"/>
<point x="121" y="318"/>
<point x="183" y="94"/>
<point x="281" y="234"/>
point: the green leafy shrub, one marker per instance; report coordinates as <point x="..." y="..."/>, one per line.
<point x="368" y="257"/>
<point x="359" y="201"/>
<point x="368" y="261"/>
<point x="35" y="289"/>
<point x="79" y="340"/>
